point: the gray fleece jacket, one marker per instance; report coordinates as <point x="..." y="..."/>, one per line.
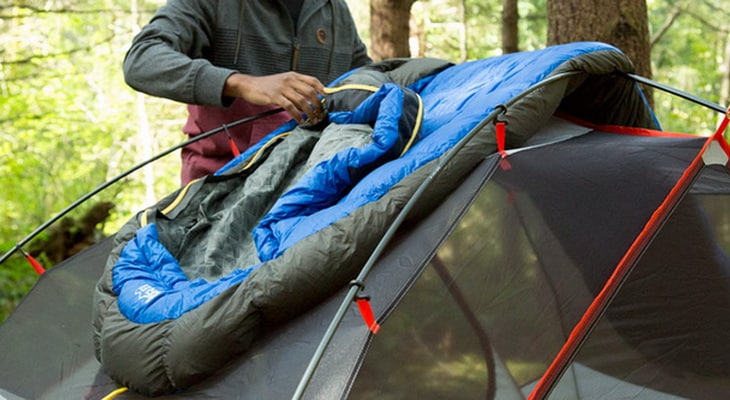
<point x="190" y="47"/>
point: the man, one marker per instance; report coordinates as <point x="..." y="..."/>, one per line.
<point x="229" y="59"/>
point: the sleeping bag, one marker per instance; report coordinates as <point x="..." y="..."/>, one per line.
<point x="193" y="279"/>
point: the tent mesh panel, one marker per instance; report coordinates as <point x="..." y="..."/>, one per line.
<point x="497" y="302"/>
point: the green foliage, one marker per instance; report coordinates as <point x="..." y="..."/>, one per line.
<point x="16" y="278"/>
<point x="68" y="122"/>
<point x="688" y="56"/>
<point x="460" y="30"/>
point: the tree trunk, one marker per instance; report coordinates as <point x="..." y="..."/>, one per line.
<point x="510" y="31"/>
<point x="622" y="23"/>
<point x="389" y="28"/>
<point x="725" y="69"/>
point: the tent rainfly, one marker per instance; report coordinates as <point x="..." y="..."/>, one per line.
<point x="516" y="227"/>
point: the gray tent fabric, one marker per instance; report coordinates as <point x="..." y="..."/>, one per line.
<point x="255" y="338"/>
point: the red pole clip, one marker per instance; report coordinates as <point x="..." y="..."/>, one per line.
<point x="501" y="131"/>
<point x="363" y="303"/>
<point x="500" y="128"/>
<point x="231" y="142"/>
<point x="33" y="262"/>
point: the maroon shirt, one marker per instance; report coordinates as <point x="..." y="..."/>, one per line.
<point x="208" y="155"/>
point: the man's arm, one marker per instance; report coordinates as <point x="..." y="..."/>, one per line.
<point x="166" y="57"/>
<point x="360" y="55"/>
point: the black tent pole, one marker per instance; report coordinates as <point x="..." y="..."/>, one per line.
<point x="124" y="174"/>
<point x="677" y="92"/>
<point x="471" y="318"/>
<point x="358" y="283"/>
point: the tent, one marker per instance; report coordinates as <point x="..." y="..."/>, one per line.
<point x="585" y="260"/>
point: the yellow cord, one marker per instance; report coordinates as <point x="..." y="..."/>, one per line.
<point x="115" y="393"/>
<point x="369" y="88"/>
<point x="179" y="197"/>
<point x="263" y="148"/>
<point x="352" y="86"/>
<point x="416" y="128"/>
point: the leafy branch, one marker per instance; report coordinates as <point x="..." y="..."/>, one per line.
<point x="30" y="59"/>
<point x="28" y="11"/>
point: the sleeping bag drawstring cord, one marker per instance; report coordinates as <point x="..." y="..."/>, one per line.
<point x="18" y="246"/>
<point x="115" y="393"/>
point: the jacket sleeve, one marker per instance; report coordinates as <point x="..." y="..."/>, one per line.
<point x="166" y="59"/>
<point x="360" y="55"/>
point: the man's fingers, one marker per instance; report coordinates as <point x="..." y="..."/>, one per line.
<point x="310" y="93"/>
<point x="296" y="93"/>
<point x="311" y="106"/>
<point x="301" y="111"/>
<point x="311" y="82"/>
<point x="293" y="111"/>
<point x="309" y="87"/>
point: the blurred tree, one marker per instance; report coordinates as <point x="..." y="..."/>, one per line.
<point x="389" y="28"/>
<point x="623" y="24"/>
<point x="689" y="49"/>
<point x="510" y="27"/>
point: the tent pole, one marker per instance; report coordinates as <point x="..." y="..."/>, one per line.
<point x="471" y="317"/>
<point x="124" y="174"/>
<point x="677" y="92"/>
<point x="316" y="358"/>
<point x="382" y="244"/>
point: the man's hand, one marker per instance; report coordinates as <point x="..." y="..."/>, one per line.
<point x="296" y="93"/>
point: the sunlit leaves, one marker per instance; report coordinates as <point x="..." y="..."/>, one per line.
<point x="688" y="56"/>
<point x="68" y="122"/>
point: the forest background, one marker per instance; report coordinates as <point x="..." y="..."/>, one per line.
<point x="69" y="123"/>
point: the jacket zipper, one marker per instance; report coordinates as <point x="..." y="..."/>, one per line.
<point x="295" y="54"/>
<point x="295" y="39"/>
